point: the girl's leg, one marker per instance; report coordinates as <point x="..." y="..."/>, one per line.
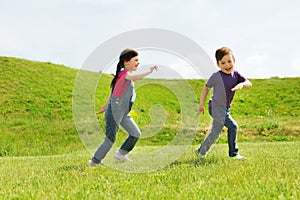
<point x="111" y="131"/>
<point x="232" y="135"/>
<point x="134" y="134"/>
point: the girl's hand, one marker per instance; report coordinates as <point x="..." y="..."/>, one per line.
<point x="153" y="68"/>
<point x="102" y="109"/>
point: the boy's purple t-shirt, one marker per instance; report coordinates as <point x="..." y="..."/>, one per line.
<point x="222" y="84"/>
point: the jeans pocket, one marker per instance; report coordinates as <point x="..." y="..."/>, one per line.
<point x="218" y="114"/>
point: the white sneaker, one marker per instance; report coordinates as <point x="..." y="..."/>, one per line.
<point x="121" y="157"/>
<point x="92" y="164"/>
<point x="238" y="157"/>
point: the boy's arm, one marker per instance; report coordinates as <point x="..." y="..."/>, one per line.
<point x="246" y="84"/>
<point x="204" y="93"/>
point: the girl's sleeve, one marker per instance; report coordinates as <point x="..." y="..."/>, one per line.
<point x="122" y="76"/>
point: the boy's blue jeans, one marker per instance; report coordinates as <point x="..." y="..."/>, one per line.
<point x="221" y="118"/>
<point x="111" y="130"/>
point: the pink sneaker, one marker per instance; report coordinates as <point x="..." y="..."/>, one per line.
<point x="121" y="157"/>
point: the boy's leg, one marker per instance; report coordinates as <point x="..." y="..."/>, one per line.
<point x="218" y="115"/>
<point x="212" y="137"/>
<point x="134" y="134"/>
<point x="232" y="135"/>
<point x="111" y="131"/>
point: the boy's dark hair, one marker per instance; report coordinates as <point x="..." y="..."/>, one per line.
<point x="220" y="53"/>
<point x="126" y="55"/>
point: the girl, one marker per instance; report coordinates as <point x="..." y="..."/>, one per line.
<point x="225" y="82"/>
<point x="118" y="106"/>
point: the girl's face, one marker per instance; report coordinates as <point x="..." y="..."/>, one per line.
<point x="132" y="64"/>
<point x="226" y="64"/>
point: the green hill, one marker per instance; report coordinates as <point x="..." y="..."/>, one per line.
<point x="36" y="109"/>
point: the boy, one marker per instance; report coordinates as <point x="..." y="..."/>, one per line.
<point x="225" y="82"/>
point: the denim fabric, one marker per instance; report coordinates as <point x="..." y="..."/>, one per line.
<point x="232" y="127"/>
<point x="134" y="133"/>
<point x="111" y="130"/>
<point x="120" y="107"/>
<point x="221" y="118"/>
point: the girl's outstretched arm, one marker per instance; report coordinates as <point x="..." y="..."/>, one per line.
<point x="142" y="75"/>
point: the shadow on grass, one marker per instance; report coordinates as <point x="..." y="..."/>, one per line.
<point x="195" y="162"/>
<point x="80" y="167"/>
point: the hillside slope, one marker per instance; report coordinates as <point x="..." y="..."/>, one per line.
<point x="36" y="108"/>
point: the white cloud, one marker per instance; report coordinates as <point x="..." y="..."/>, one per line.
<point x="255" y="65"/>
<point x="9" y="42"/>
<point x="99" y="1"/>
<point x="263" y="34"/>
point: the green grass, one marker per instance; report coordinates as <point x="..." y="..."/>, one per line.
<point x="270" y="172"/>
<point x="36" y="109"/>
<point x="42" y="155"/>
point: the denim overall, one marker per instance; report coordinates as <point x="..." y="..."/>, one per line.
<point x="117" y="113"/>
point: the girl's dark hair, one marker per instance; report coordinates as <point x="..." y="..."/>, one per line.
<point x="220" y="53"/>
<point x="126" y="55"/>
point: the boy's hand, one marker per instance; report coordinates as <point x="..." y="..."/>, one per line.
<point x="238" y="87"/>
<point x="200" y="111"/>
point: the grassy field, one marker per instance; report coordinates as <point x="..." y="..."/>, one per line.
<point x="36" y="109"/>
<point x="270" y="172"/>
<point x="43" y="154"/>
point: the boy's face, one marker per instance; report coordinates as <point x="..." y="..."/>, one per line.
<point x="132" y="64"/>
<point x="226" y="64"/>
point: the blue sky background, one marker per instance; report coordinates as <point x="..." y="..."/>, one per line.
<point x="264" y="35"/>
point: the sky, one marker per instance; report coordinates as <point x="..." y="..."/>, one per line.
<point x="264" y="35"/>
